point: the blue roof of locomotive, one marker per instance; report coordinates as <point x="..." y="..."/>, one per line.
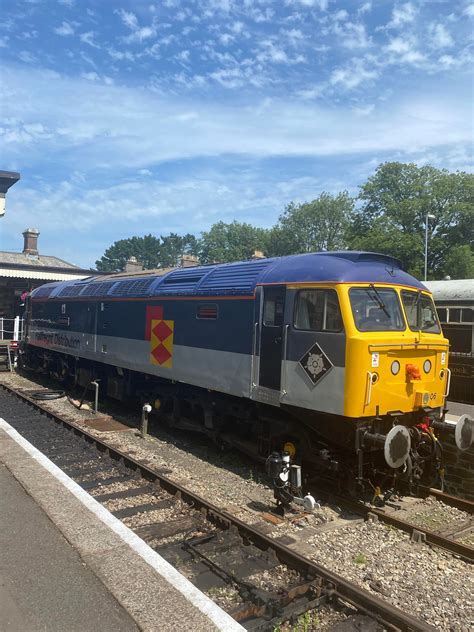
<point x="242" y="277"/>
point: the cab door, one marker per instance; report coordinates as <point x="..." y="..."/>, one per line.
<point x="271" y="337"/>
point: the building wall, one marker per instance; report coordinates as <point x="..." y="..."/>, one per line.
<point x="459" y="476"/>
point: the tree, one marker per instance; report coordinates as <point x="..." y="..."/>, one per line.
<point x="395" y="203"/>
<point x="152" y="252"/>
<point x="230" y="242"/>
<point x="312" y="226"/>
<point x="459" y="263"/>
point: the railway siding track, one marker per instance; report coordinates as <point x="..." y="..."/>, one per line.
<point x="446" y="537"/>
<point x="225" y="553"/>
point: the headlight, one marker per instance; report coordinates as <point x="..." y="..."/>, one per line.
<point x="427" y="366"/>
<point x="395" y="368"/>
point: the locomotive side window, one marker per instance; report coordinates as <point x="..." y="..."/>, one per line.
<point x="420" y="311"/>
<point x="376" y="309"/>
<point x="318" y="310"/>
<point x="273" y="310"/>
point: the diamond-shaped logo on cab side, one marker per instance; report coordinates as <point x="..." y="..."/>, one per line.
<point x="161" y="354"/>
<point x="162" y="330"/>
<point x="315" y="363"/>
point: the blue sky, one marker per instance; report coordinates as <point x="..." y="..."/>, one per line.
<point x="133" y="117"/>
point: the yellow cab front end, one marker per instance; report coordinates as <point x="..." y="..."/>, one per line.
<point x="396" y="354"/>
<point x="396" y="383"/>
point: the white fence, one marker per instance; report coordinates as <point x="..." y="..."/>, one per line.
<point x="11" y="328"/>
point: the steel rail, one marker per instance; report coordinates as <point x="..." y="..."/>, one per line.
<point x="390" y="616"/>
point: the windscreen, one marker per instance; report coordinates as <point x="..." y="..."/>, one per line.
<point x="376" y="309"/>
<point x="420" y="311"/>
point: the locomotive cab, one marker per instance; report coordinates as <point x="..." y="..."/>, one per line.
<point x="397" y="354"/>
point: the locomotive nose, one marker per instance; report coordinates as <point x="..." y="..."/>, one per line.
<point x="464" y="432"/>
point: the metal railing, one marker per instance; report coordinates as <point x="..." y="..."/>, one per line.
<point x="11" y="328"/>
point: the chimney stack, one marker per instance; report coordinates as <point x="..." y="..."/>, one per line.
<point x="30" y="246"/>
<point x="189" y="261"/>
<point x="133" y="265"/>
<point x="257" y="254"/>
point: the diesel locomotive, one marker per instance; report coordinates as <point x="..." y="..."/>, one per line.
<point x="337" y="358"/>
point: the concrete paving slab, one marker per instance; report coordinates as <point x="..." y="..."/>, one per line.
<point x="44" y="583"/>
<point x="154" y="594"/>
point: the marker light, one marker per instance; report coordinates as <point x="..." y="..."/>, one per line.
<point x="427" y="366"/>
<point x="395" y="368"/>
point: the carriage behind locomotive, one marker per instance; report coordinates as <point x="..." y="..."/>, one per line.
<point x="337" y="358"/>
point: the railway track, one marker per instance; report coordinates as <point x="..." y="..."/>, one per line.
<point x="259" y="581"/>
<point x="446" y="538"/>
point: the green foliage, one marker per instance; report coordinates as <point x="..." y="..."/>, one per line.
<point x="360" y="558"/>
<point x="459" y="263"/>
<point x="395" y="203"/>
<point x="313" y="226"/>
<point x="231" y="242"/>
<point x="152" y="252"/>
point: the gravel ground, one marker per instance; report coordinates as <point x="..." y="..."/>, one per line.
<point x="427" y="583"/>
<point x="432" y="514"/>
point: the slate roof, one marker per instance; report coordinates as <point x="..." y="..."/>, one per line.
<point x="41" y="261"/>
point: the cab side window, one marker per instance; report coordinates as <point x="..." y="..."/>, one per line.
<point x="318" y="310"/>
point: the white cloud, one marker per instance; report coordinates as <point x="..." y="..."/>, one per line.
<point x="352" y="34"/>
<point x="403" y="14"/>
<point x="88" y="38"/>
<point x="469" y="11"/>
<point x="138" y="33"/>
<point x="65" y="29"/>
<point x="183" y="56"/>
<point x="440" y="36"/>
<point x="226" y="38"/>
<point x="117" y="127"/>
<point x="4" y="41"/>
<point x="403" y="50"/>
<point x="90" y="76"/>
<point x="294" y="36"/>
<point x="319" y="4"/>
<point x="26" y="57"/>
<point x="353" y="75"/>
<point x="128" y="18"/>
<point x="365" y="8"/>
<point x="237" y="27"/>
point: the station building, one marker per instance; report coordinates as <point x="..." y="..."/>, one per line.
<point x="23" y="271"/>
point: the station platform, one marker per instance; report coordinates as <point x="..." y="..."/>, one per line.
<point x="67" y="564"/>
<point x="456" y="410"/>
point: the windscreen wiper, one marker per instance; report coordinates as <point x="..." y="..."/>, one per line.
<point x="379" y="300"/>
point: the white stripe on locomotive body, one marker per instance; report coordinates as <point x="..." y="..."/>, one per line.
<point x="222" y="371"/>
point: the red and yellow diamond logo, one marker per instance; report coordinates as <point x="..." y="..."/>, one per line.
<point x="160" y="334"/>
<point x="161" y="342"/>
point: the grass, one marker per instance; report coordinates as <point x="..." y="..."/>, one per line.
<point x="360" y="558"/>
<point x="305" y="623"/>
